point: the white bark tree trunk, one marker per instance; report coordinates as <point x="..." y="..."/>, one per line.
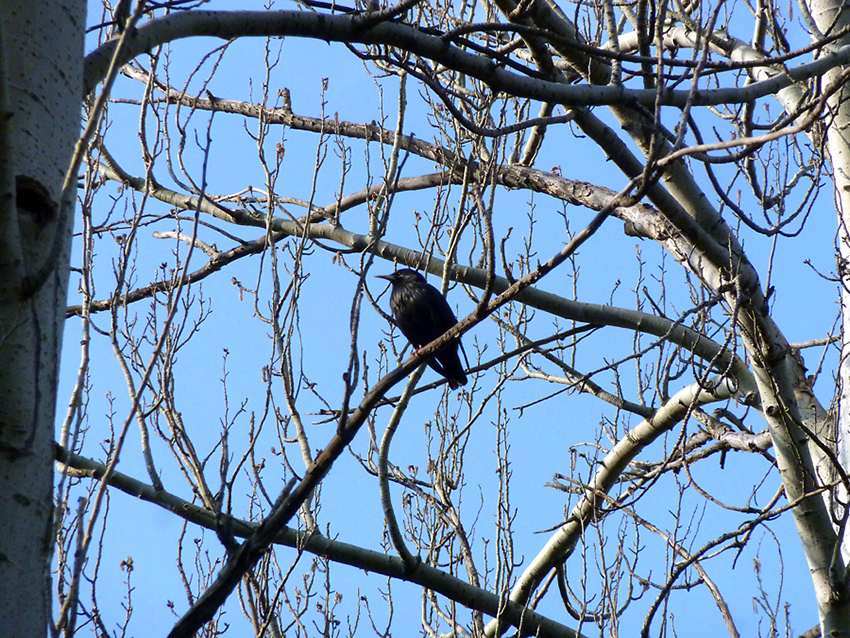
<point x="41" y="53"/>
<point x="830" y="16"/>
<point x="826" y="14"/>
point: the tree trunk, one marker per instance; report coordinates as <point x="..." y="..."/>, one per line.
<point x="41" y="52"/>
<point x="830" y="16"/>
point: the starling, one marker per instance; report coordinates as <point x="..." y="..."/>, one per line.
<point x="422" y="315"/>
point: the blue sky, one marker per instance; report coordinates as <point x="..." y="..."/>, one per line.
<point x="542" y="437"/>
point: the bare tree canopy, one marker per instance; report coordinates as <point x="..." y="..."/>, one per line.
<point x="634" y="209"/>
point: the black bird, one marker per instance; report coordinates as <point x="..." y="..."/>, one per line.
<point x="422" y="315"/>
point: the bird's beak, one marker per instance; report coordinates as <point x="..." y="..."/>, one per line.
<point x="387" y="277"/>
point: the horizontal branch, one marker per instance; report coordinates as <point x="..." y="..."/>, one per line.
<point x="453" y="588"/>
<point x="361" y="29"/>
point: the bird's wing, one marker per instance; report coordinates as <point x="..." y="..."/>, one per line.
<point x="421" y="313"/>
<point x="439" y="311"/>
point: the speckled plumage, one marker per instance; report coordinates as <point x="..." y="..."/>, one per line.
<point x="423" y="314"/>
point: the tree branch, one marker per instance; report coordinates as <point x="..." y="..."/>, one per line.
<point x="352" y="29"/>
